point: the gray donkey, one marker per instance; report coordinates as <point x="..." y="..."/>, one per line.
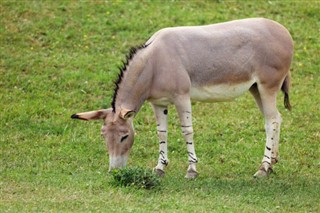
<point x="210" y="63"/>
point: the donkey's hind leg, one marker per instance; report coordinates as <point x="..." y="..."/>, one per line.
<point x="161" y="113"/>
<point x="267" y="99"/>
<point x="183" y="106"/>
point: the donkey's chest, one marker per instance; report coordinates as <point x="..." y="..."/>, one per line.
<point x="221" y="92"/>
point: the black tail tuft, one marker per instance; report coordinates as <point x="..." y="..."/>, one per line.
<point x="285" y="90"/>
<point x="287" y="101"/>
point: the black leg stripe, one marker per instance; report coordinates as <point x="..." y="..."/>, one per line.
<point x="268" y="148"/>
<point x="267" y="156"/>
<point x="164" y="162"/>
<point x="193" y="160"/>
<point x="162" y="153"/>
<point x="189" y="133"/>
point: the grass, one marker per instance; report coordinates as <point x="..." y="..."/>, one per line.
<point x="61" y="57"/>
<point x="136" y="177"/>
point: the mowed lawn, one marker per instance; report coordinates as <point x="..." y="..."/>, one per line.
<point x="62" y="57"/>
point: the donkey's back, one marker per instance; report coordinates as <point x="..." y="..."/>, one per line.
<point x="222" y="61"/>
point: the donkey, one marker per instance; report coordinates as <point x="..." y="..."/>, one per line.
<point x="217" y="62"/>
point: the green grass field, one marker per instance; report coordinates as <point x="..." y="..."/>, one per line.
<point x="61" y="57"/>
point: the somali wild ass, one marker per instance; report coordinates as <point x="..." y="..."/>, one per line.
<point x="212" y="63"/>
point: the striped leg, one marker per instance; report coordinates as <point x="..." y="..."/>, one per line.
<point x="184" y="109"/>
<point x="272" y="127"/>
<point x="161" y="114"/>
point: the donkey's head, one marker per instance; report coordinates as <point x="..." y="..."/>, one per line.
<point x="117" y="131"/>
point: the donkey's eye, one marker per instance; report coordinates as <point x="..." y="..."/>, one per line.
<point x="123" y="138"/>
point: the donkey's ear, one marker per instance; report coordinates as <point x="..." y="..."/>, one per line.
<point x="126" y="114"/>
<point x="92" y="115"/>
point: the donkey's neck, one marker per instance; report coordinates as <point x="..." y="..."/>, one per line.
<point x="134" y="87"/>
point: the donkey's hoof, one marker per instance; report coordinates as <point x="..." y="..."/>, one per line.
<point x="191" y="174"/>
<point x="159" y="172"/>
<point x="262" y="173"/>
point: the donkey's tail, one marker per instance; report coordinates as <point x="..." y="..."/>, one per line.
<point x="285" y="89"/>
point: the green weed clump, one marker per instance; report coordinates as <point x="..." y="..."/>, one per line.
<point x="137" y="177"/>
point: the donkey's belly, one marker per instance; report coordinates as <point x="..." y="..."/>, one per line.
<point x="221" y="92"/>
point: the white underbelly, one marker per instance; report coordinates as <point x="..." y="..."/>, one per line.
<point x="221" y="92"/>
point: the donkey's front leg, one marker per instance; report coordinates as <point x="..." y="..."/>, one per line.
<point x="161" y="114"/>
<point x="183" y="105"/>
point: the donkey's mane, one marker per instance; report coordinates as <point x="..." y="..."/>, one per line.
<point x="123" y="69"/>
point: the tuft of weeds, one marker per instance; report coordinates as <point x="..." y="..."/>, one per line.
<point x="137" y="177"/>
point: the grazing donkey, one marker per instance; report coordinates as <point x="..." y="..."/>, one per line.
<point x="212" y="63"/>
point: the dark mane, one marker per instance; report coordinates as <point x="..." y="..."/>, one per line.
<point x="123" y="69"/>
